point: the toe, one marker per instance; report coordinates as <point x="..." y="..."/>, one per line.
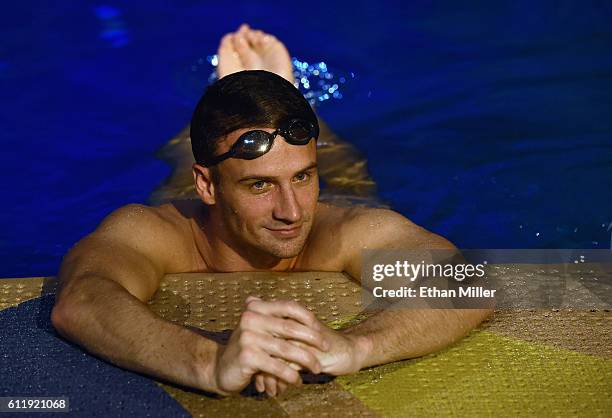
<point x="259" y="36"/>
<point x="226" y="43"/>
<point x="246" y="54"/>
<point x="268" y="39"/>
<point x="251" y="37"/>
<point x="228" y="59"/>
<point x="240" y="44"/>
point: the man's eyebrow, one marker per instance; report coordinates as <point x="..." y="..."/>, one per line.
<point x="272" y="178"/>
<point x="307" y="168"/>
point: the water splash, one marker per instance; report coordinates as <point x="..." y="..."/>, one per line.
<point x="316" y="81"/>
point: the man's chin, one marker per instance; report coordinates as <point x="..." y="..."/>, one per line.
<point x="286" y="251"/>
<point x="285" y="248"/>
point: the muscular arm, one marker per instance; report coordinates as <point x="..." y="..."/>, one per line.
<point x="105" y="281"/>
<point x="396" y="334"/>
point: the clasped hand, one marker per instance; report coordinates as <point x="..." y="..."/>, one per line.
<point x="274" y="341"/>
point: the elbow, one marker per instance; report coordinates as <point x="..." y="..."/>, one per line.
<point x="66" y="318"/>
<point x="487" y="312"/>
<point x="59" y="318"/>
<point x="74" y="296"/>
<point x="471" y="318"/>
<point x="480" y="315"/>
<point x="65" y="311"/>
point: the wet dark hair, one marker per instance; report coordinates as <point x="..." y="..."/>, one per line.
<point x="246" y="99"/>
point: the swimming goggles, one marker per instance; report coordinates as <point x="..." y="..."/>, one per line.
<point x="253" y="144"/>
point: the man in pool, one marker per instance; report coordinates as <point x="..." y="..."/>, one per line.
<point x="253" y="137"/>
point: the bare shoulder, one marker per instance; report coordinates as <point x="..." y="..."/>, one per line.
<point x="134" y="222"/>
<point x="381" y="228"/>
<point x="161" y="232"/>
<point x="135" y="245"/>
<point x="364" y="227"/>
<point x="341" y="235"/>
<point x="329" y="215"/>
<point x="138" y="227"/>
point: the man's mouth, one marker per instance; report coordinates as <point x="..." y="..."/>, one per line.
<point x="291" y="232"/>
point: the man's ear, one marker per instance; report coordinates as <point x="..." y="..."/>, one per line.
<point x="204" y="184"/>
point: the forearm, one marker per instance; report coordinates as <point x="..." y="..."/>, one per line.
<point x="397" y="334"/>
<point x="104" y="318"/>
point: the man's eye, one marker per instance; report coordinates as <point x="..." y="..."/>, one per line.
<point x="259" y="185"/>
<point x="302" y="177"/>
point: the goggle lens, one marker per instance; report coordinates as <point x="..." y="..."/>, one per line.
<point x="252" y="145"/>
<point x="300" y="131"/>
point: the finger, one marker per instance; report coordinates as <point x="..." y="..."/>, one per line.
<point x="288" y="329"/>
<point x="302" y="345"/>
<point x="291" y="364"/>
<point x="284" y="350"/>
<point x="270" y="382"/>
<point x="286" y="309"/>
<point x="294" y="366"/>
<point x="263" y="362"/>
<point x="281" y="386"/>
<point x="259" y="382"/>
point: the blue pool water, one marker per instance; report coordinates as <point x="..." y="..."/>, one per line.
<point x="489" y="124"/>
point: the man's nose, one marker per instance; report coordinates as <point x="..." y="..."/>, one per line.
<point x="287" y="208"/>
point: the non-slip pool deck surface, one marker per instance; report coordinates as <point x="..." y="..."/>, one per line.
<point x="551" y="363"/>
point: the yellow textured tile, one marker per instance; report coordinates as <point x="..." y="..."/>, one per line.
<point x="485" y="375"/>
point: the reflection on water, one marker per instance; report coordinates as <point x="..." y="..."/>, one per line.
<point x="114" y="30"/>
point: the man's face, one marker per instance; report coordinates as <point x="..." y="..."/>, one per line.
<point x="268" y="203"/>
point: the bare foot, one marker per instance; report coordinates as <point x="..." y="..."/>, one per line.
<point x="249" y="49"/>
